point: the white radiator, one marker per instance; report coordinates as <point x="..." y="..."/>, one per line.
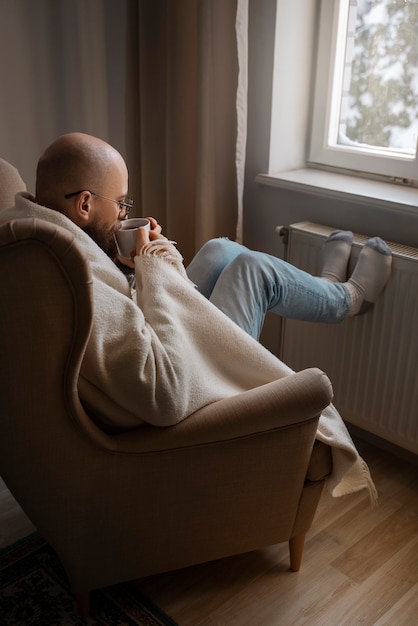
<point x="372" y="360"/>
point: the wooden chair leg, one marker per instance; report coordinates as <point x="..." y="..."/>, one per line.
<point x="296" y="545"/>
<point x="83" y="603"/>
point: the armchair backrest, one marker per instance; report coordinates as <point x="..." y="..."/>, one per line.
<point x="10" y="183"/>
<point x="45" y="321"/>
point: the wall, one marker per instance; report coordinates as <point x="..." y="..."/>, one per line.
<point x="265" y="207"/>
<point x="62" y="69"/>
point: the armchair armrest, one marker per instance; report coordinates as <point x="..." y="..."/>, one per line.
<point x="283" y="403"/>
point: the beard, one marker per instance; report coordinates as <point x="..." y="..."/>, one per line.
<point x="103" y="237"/>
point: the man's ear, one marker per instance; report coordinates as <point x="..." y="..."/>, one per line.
<point x="82" y="208"/>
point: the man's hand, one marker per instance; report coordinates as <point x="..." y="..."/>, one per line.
<point x="145" y="236"/>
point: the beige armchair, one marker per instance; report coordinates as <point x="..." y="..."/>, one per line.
<point x="239" y="474"/>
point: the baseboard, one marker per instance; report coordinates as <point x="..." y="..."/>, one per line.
<point x="359" y="433"/>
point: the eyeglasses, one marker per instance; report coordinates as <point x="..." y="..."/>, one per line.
<point x="125" y="205"/>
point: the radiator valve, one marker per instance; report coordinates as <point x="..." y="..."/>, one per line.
<point x="283" y="231"/>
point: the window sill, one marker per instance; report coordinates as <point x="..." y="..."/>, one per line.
<point x="344" y="187"/>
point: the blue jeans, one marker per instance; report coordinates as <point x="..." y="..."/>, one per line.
<point x="246" y="284"/>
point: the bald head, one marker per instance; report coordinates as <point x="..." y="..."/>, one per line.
<point x="74" y="162"/>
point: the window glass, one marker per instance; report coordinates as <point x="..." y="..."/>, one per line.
<point x="365" y="107"/>
<point x="379" y="99"/>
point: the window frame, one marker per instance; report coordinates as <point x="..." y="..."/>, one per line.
<point x="390" y="166"/>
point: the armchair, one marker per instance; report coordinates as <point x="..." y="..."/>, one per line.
<point x="242" y="473"/>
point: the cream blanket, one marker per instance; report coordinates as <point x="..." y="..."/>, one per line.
<point x="162" y="357"/>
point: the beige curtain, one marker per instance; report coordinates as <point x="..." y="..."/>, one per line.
<point x="57" y="69"/>
<point x="182" y="127"/>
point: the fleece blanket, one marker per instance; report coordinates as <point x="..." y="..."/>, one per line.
<point x="163" y="353"/>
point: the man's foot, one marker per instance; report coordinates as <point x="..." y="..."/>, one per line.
<point x="336" y="254"/>
<point x="370" y="275"/>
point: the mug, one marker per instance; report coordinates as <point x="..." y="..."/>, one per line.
<point x="125" y="237"/>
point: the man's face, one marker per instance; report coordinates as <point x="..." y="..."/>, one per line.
<point x="105" y="218"/>
<point x="102" y="233"/>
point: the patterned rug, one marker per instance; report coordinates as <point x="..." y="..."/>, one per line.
<point x="34" y="590"/>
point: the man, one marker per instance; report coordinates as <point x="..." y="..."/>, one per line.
<point x="221" y="268"/>
<point x="170" y="351"/>
<point x="84" y="183"/>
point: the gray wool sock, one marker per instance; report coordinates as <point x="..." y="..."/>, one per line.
<point x="336" y="254"/>
<point x="370" y="275"/>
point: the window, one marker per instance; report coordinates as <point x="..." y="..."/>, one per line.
<point x="365" y="112"/>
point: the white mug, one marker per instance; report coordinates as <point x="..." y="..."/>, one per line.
<point x="126" y="236"/>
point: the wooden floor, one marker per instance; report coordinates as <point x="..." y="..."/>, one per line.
<point x="360" y="564"/>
